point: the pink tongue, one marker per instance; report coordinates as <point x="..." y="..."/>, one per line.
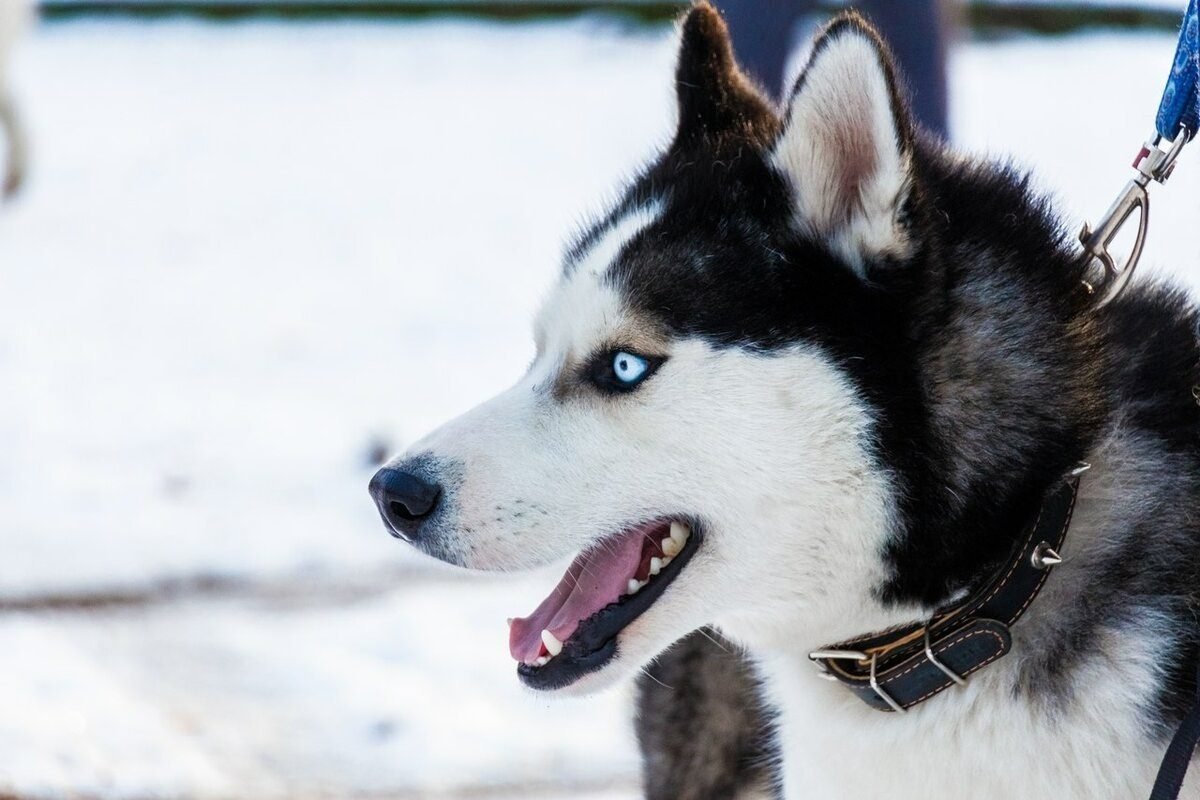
<point x="595" y="579"/>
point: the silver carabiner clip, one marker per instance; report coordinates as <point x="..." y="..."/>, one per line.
<point x="1096" y="242"/>
<point x="1153" y="163"/>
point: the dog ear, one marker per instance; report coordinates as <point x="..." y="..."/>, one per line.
<point x="846" y="144"/>
<point x="716" y="100"/>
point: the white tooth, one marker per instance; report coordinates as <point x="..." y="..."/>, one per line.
<point x="656" y="565"/>
<point x="680" y="532"/>
<point x="634" y="586"/>
<point x="670" y="547"/>
<point x="553" y="645"/>
<point x="541" y="661"/>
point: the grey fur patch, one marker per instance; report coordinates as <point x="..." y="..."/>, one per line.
<point x="703" y="726"/>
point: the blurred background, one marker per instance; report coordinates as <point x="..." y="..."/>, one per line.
<point x="261" y="246"/>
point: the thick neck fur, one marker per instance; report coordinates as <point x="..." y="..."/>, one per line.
<point x="1004" y="350"/>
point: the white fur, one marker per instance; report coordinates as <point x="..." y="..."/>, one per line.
<point x="605" y="250"/>
<point x="841" y="153"/>
<point x="767" y="451"/>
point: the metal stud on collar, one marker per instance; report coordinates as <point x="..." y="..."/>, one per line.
<point x="1044" y="557"/>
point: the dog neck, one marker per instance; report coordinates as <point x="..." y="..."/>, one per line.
<point x="1005" y="350"/>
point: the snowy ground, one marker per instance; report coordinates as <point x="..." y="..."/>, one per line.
<point x="251" y="254"/>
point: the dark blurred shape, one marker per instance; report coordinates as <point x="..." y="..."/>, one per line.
<point x="383" y="730"/>
<point x="176" y="486"/>
<point x="765" y="31"/>
<point x="16" y="160"/>
<point x="14" y="19"/>
<point x="377" y="451"/>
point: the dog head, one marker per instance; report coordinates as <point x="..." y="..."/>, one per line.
<point x="693" y="429"/>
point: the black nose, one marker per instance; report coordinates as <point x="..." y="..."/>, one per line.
<point x="404" y="500"/>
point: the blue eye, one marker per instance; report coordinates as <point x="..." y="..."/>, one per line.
<point x="628" y="368"/>
<point x="620" y="371"/>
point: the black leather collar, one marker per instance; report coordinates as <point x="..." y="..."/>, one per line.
<point x="898" y="668"/>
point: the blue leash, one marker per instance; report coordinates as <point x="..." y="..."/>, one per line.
<point x="1180" y="112"/>
<point x="1181" y="100"/>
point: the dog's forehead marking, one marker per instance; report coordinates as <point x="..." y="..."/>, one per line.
<point x="603" y="248"/>
<point x="585" y="307"/>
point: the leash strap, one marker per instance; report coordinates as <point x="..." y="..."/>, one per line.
<point x="1179" y="753"/>
<point x="1181" y="97"/>
<point x="898" y="668"/>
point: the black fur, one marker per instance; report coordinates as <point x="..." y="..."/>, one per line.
<point x="716" y="101"/>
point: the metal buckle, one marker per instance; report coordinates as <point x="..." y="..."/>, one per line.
<point x="839" y="655"/>
<point x="887" y="698"/>
<point x="855" y="655"/>
<point x="816" y="656"/>
<point x="1153" y="163"/>
<point x="951" y="674"/>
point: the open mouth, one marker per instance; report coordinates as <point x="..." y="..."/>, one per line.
<point x="574" y="630"/>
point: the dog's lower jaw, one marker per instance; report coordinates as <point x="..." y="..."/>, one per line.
<point x="612" y="673"/>
<point x="634" y="648"/>
<point x="639" y="643"/>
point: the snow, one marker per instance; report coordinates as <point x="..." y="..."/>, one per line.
<point x="228" y="280"/>
<point x="271" y="699"/>
<point x="251" y="252"/>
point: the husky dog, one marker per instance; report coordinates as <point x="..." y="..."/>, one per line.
<point x="810" y="378"/>
<point x="14" y="18"/>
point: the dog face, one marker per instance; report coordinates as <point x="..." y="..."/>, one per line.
<point x="693" y="429"/>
